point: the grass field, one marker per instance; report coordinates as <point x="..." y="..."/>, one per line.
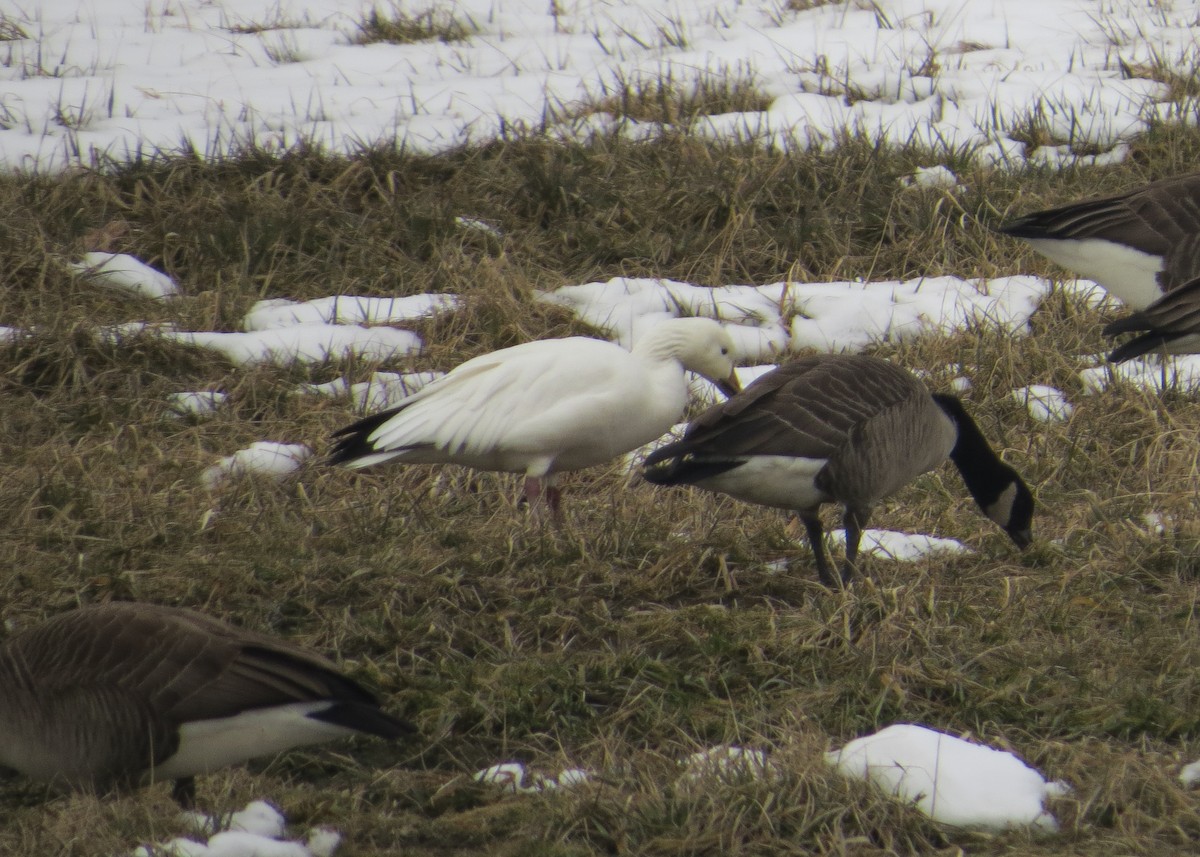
<point x="657" y="624"/>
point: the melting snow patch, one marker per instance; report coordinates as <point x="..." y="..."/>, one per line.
<point x="381" y="391"/>
<point x="727" y="761"/>
<point x="514" y="777"/>
<point x="303" y="343"/>
<point x="904" y="547"/>
<point x="1089" y="292"/>
<point x="1045" y="404"/>
<point x="825" y="316"/>
<point x="704" y="390"/>
<point x="125" y="273"/>
<point x="951" y="780"/>
<point x="1189" y="775"/>
<point x="626" y="306"/>
<point x="345" y="309"/>
<point x="936" y="177"/>
<point x="477" y="225"/>
<point x="1155" y="523"/>
<point x="264" y="457"/>
<point x="846" y="316"/>
<point x="260" y="818"/>
<point x="256" y="831"/>
<point x="1180" y="374"/>
<point x="200" y="404"/>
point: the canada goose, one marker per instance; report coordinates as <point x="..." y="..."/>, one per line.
<point x="548" y="406"/>
<point x="123" y="694"/>
<point x="839" y="428"/>
<point x="1171" y="323"/>
<point x="1138" y="245"/>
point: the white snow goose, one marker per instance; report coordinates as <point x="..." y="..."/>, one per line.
<point x="124" y="694"/>
<point x="547" y="406"/>
<point x="839" y="428"/>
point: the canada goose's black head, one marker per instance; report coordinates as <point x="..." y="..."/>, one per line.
<point x="997" y="488"/>
<point x="1012" y="510"/>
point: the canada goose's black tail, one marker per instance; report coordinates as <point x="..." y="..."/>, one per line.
<point x="1061" y="222"/>
<point x="365" y="717"/>
<point x="1140" y="345"/>
<point x="687" y="471"/>
<point x="1174" y="316"/>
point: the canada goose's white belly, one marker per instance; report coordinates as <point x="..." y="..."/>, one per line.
<point x="209" y="745"/>
<point x="782" y="481"/>
<point x="1129" y="274"/>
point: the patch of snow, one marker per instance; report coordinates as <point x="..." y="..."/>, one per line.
<point x="1045" y="404"/>
<point x="1089" y="293"/>
<point x="381" y="391"/>
<point x="514" y="777"/>
<point x="1155" y="522"/>
<point x="1180" y="373"/>
<point x="849" y="316"/>
<point x="345" y="309"/>
<point x="903" y="547"/>
<point x="196" y="404"/>
<point x="477" y="225"/>
<point x="931" y="177"/>
<point x="705" y="391"/>
<point x="256" y="831"/>
<point x="125" y="273"/>
<point x="262" y="457"/>
<point x="949" y="779"/>
<point x="303" y="343"/>
<point x="260" y="818"/>
<point x="727" y="761"/>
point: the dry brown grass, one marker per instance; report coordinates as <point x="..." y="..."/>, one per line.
<point x="653" y="627"/>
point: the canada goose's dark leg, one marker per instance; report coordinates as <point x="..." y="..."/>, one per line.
<point x="184" y="792"/>
<point x="816" y="540"/>
<point x="853" y="520"/>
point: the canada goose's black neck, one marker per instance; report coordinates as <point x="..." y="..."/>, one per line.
<point x="986" y="476"/>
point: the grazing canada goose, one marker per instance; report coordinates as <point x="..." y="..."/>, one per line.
<point x="1138" y="245"/>
<point x="548" y="406"/>
<point x="123" y="694"/>
<point x="839" y="428"/>
<point x="1171" y="323"/>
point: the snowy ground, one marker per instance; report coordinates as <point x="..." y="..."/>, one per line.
<point x="114" y="77"/>
<point x="88" y="79"/>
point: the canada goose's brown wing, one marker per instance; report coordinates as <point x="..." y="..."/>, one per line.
<point x="1165" y="323"/>
<point x="807" y="408"/>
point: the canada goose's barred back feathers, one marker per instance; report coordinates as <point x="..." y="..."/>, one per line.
<point x="111" y="694"/>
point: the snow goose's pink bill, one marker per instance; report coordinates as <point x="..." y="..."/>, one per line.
<point x="548" y="406"/>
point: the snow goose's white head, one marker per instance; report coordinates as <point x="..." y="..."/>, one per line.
<point x="700" y="345"/>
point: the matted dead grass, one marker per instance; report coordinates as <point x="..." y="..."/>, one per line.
<point x="658" y="623"/>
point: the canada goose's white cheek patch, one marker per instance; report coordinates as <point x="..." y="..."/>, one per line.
<point x="209" y="745"/>
<point x="782" y="481"/>
<point x="1001" y="510"/>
